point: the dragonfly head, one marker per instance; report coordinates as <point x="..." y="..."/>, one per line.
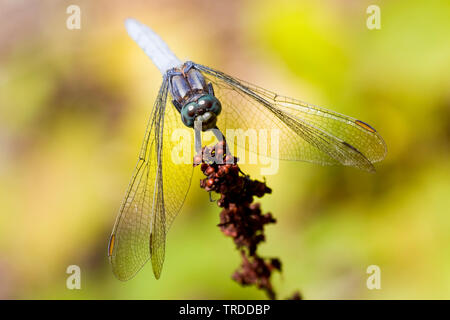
<point x="205" y="109"/>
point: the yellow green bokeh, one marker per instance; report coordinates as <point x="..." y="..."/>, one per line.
<point x="73" y="110"/>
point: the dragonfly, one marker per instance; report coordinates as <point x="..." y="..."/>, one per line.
<point x="190" y="94"/>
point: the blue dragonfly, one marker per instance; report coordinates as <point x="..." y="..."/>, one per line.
<point x="202" y="98"/>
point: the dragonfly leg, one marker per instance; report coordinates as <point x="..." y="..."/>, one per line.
<point x="210" y="89"/>
<point x="177" y="105"/>
<point x="219" y="135"/>
<point x="198" y="136"/>
<point x="221" y="138"/>
<point x="210" y="197"/>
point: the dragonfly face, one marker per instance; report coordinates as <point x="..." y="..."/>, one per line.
<point x="204" y="108"/>
<point x="192" y="97"/>
<point x="194" y="93"/>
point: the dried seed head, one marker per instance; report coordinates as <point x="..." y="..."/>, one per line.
<point x="240" y="218"/>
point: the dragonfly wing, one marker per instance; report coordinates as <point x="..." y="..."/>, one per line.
<point x="174" y="181"/>
<point x="306" y="132"/>
<point x="154" y="197"/>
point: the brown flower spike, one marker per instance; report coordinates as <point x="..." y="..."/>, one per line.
<point x="240" y="219"/>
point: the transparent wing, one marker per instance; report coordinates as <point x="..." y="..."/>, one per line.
<point x="154" y="196"/>
<point x="305" y="132"/>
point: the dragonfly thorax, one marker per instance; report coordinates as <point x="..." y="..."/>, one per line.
<point x="192" y="97"/>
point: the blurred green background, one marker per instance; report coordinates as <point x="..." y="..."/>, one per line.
<point x="74" y="106"/>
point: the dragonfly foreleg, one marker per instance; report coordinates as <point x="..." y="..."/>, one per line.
<point x="210" y="197"/>
<point x="198" y="136"/>
<point x="221" y="138"/>
<point x="177" y="105"/>
<point x="210" y="89"/>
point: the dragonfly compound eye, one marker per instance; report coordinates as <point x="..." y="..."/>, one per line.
<point x="191" y="110"/>
<point x="188" y="114"/>
<point x="210" y="103"/>
<point x="205" y="103"/>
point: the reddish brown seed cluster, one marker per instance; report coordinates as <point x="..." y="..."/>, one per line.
<point x="240" y="219"/>
<point x="255" y="270"/>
